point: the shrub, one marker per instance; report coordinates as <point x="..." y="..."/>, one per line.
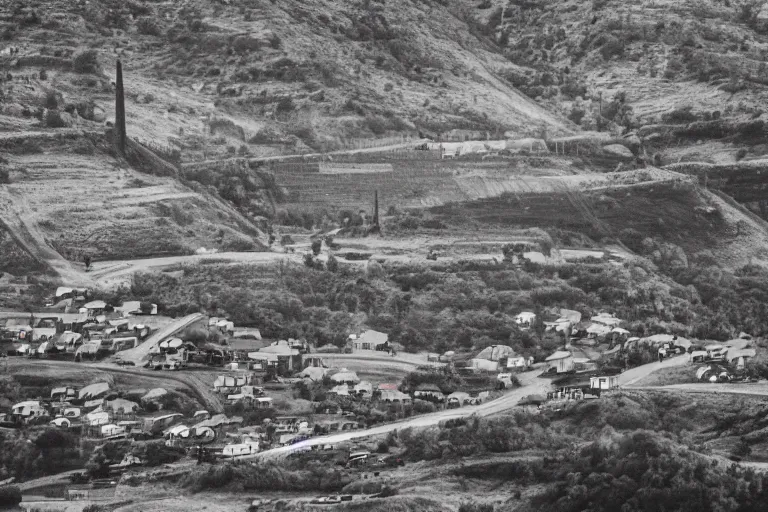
<point x="612" y="47"/>
<point x="5" y="175"/>
<point x="86" y="62"/>
<point x="53" y="119"/>
<point x="148" y="27"/>
<point x="10" y="496"/>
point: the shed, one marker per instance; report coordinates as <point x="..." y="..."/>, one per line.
<point x="604" y="382"/>
<point x="112" y="430"/>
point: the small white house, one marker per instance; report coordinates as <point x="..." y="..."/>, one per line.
<point x="112" y="430"/>
<point x="234" y="450"/>
<point x="525" y="319"/>
<point x="604" y="382"/>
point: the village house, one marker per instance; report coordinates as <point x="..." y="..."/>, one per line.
<point x="429" y="391"/>
<point x="560" y="362"/>
<point x="604" y="382"/>
<point x="525" y="319"/>
<point x="370" y="340"/>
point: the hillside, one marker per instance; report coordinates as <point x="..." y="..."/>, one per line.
<point x="68" y="197"/>
<point x="267" y="77"/>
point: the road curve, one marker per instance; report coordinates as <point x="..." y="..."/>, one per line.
<point x="532" y="384"/>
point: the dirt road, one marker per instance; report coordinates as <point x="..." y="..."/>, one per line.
<point x="18" y="219"/>
<point x="633" y="375"/>
<point x="116" y="272"/>
<point x="139" y="354"/>
<point x="760" y="389"/>
<point x="532" y="384"/>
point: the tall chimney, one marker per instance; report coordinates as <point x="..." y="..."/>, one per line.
<point x="376" y="209"/>
<point x="120" y="109"/>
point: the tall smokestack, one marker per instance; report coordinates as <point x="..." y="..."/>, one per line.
<point x="376" y="209"/>
<point x="120" y="109"/>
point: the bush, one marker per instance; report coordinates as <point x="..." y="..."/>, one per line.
<point x="5" y="175"/>
<point x="10" y="496"/>
<point x="53" y="119"/>
<point x="86" y="62"/>
<point x="148" y="27"/>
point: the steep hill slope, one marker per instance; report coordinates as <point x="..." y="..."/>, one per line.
<point x="68" y="197"/>
<point x="267" y="77"/>
<point x="706" y="54"/>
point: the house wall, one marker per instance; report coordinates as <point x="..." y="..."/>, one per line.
<point x="564" y="365"/>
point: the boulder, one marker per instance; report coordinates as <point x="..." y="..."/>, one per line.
<point x="98" y="114"/>
<point x="618" y="150"/>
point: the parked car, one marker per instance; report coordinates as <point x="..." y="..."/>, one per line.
<point x="327" y="500"/>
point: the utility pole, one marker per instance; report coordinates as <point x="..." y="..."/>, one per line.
<point x="120" y="109"/>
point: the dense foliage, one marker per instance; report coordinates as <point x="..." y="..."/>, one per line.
<point x="469" y="305"/>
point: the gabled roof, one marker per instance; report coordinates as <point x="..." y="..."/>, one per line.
<point x="93" y="390"/>
<point x="560" y="354"/>
<point x="373" y="337"/>
<point x="428" y="387"/>
<point x="496" y="352"/>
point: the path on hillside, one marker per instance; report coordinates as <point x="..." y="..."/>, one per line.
<point x="116" y="272"/>
<point x="276" y="158"/>
<point x="629" y="377"/>
<point x="17" y="218"/>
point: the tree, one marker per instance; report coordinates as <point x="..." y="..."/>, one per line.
<point x="10" y="496"/>
<point x="86" y="62"/>
<point x="316" y="246"/>
<point x="333" y="264"/>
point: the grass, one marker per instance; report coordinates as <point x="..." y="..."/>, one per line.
<point x="669" y="376"/>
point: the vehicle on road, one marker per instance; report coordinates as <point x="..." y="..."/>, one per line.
<point x="327" y="500"/>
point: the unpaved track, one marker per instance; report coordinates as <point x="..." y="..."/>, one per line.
<point x="15" y="217"/>
<point x="139" y="354"/>
<point x="116" y="272"/>
<point x="629" y="377"/>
